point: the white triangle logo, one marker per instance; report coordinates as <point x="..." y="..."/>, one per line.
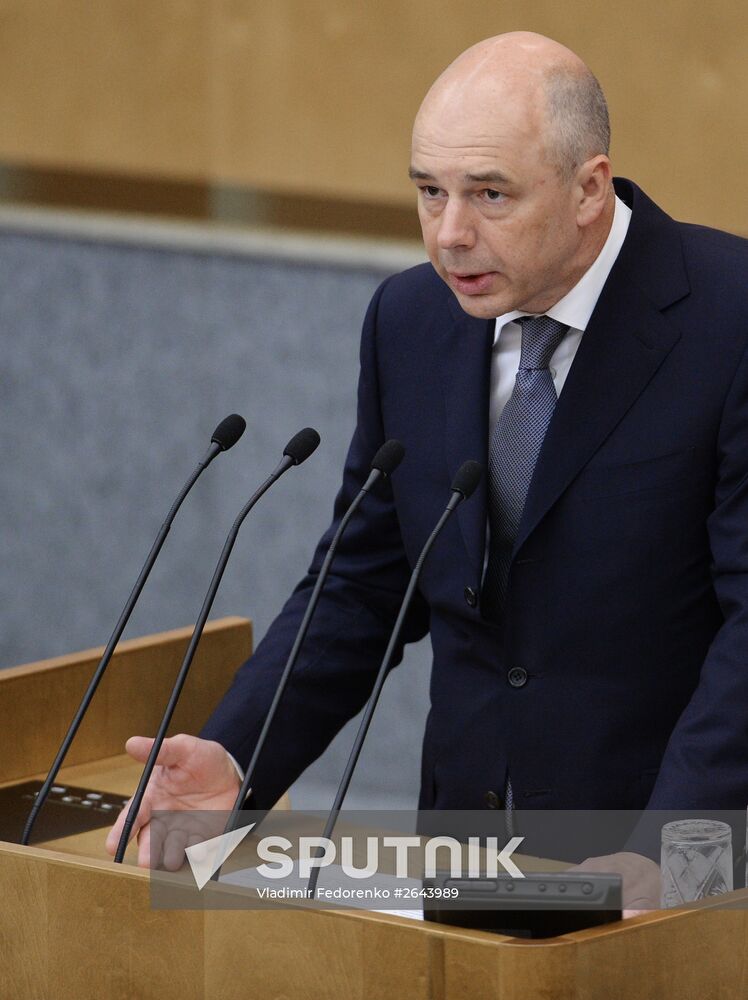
<point x="206" y="858"/>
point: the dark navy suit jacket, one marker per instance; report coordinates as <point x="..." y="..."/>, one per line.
<point x="628" y="594"/>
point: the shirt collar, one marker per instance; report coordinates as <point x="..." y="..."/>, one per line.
<point x="576" y="307"/>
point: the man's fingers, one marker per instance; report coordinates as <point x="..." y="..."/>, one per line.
<point x="145" y="846"/>
<point x="115" y="833"/>
<point x="174" y="847"/>
<point x="171" y="751"/>
<point x="641" y="879"/>
<point x="151" y="844"/>
<point x="139" y="747"/>
<point x="174" y="749"/>
<point x="141" y="820"/>
<point x="163" y="842"/>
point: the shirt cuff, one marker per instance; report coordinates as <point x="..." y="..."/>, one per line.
<point x="234" y="761"/>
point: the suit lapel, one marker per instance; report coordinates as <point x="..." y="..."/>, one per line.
<point x="620" y="352"/>
<point x="466" y="371"/>
<point x="626" y="341"/>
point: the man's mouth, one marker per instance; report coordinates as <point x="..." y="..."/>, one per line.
<point x="472" y="284"/>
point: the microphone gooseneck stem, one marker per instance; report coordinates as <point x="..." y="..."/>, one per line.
<point x="371" y="705"/>
<point x="137" y="799"/>
<point x="119" y="628"/>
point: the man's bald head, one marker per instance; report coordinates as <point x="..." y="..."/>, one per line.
<point x="547" y="85"/>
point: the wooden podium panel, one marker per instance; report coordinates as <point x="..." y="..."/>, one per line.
<point x="38" y="700"/>
<point x="78" y="929"/>
<point x="75" y="926"/>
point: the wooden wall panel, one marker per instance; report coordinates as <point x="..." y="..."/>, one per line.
<point x="119" y="85"/>
<point x="318" y="97"/>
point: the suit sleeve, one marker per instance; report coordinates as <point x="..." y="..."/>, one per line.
<point x="705" y="765"/>
<point x="335" y="671"/>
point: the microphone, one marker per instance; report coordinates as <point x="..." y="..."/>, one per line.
<point x="383" y="465"/>
<point x="463" y="486"/>
<point x="224" y="437"/>
<point x="228" y="431"/>
<point x="298" y="449"/>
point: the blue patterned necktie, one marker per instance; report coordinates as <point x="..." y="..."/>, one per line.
<point x="515" y="446"/>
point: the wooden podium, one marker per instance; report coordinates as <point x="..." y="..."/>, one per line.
<point x="75" y="926"/>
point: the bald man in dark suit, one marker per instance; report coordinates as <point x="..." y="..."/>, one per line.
<point x="588" y="610"/>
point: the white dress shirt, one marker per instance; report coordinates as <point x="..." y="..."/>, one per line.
<point x="573" y="310"/>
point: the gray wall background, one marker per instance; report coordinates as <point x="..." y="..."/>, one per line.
<point x="118" y="361"/>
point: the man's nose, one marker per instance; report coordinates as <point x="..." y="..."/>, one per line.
<point x="455" y="226"/>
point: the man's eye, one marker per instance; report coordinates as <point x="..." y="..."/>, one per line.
<point x="430" y="191"/>
<point x="492" y="195"/>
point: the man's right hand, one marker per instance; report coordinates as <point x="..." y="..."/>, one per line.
<point x="193" y="779"/>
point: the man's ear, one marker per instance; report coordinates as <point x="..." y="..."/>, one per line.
<point x="593" y="185"/>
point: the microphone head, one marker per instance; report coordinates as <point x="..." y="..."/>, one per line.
<point x="467" y="478"/>
<point x="229" y="431"/>
<point x="301" y="445"/>
<point x="389" y="456"/>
